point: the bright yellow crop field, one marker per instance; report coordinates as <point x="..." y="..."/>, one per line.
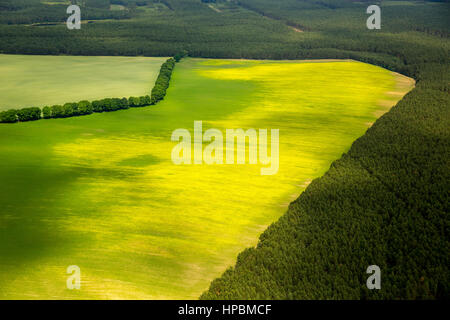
<point x="102" y="193"/>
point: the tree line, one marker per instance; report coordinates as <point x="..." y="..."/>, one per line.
<point x="162" y="82"/>
<point x="84" y="107"/>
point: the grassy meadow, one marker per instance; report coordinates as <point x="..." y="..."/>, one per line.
<point x="102" y="193"/>
<point x="49" y="80"/>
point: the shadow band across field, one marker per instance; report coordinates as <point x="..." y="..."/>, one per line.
<point x="101" y="191"/>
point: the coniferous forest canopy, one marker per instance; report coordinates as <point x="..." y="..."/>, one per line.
<point x="385" y="200"/>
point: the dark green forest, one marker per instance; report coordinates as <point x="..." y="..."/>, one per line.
<point x="27" y="12"/>
<point x="385" y="202"/>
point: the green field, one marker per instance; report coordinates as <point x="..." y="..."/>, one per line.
<point x="101" y="192"/>
<point x="49" y="80"/>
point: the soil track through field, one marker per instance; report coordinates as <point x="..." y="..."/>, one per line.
<point x="296" y="28"/>
<point x="214" y="8"/>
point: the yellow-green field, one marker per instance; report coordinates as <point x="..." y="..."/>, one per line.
<point x="102" y="193"/>
<point x="36" y="81"/>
